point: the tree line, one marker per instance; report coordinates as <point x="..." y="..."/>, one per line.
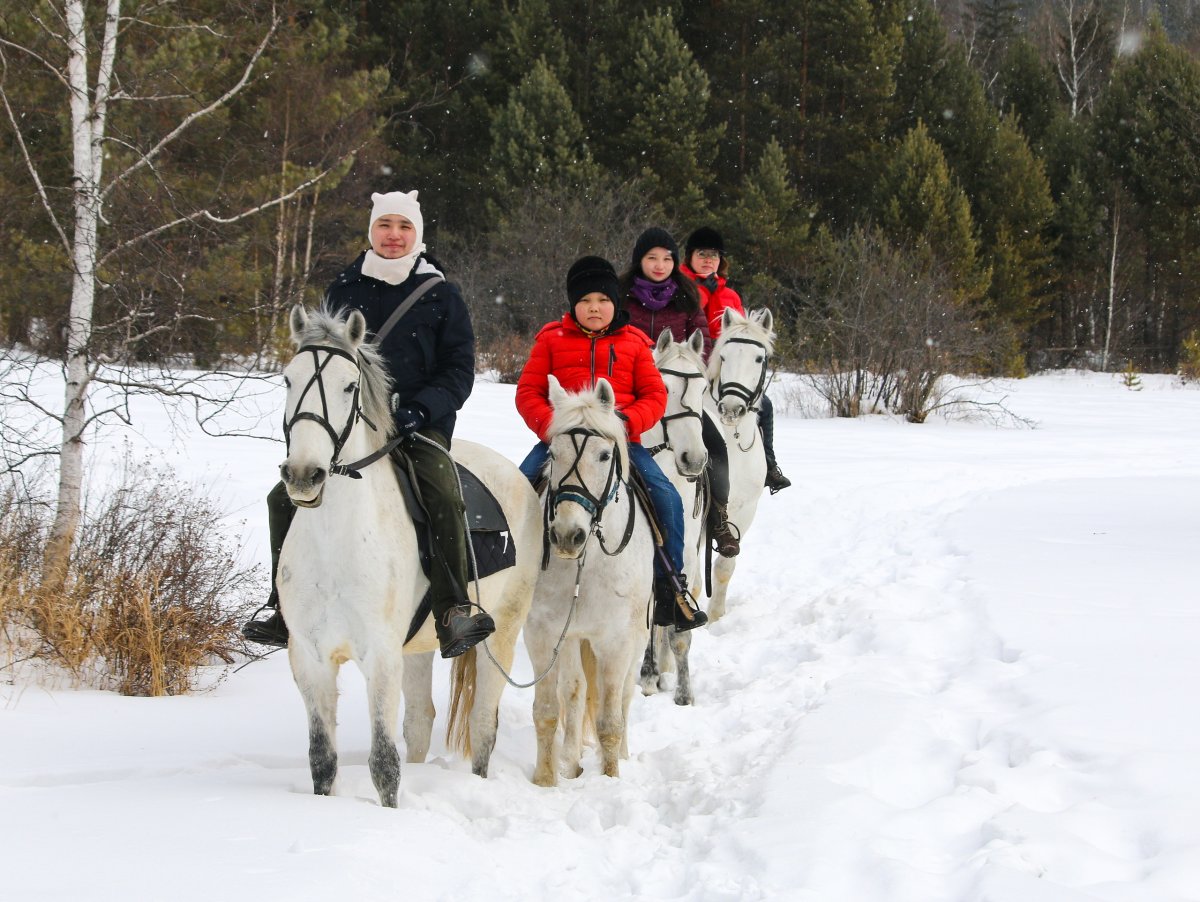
<point x="1003" y="183"/>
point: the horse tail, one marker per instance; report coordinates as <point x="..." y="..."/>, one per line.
<point x="592" y="680"/>
<point x="462" y="700"/>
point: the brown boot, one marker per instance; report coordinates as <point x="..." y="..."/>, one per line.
<point x="459" y="630"/>
<point x="775" y="480"/>
<point x="720" y="531"/>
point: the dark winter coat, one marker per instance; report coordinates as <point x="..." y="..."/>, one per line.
<point x="430" y="352"/>
<point x="623" y="356"/>
<point x="715" y="300"/>
<point x="681" y="323"/>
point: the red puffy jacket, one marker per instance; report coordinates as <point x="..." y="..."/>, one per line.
<point x="715" y="301"/>
<point x="624" y="357"/>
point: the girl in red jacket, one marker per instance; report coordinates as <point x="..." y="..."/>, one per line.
<point x="658" y="296"/>
<point x="593" y="340"/>
<point x="708" y="267"/>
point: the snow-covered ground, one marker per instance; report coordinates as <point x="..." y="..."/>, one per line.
<point x="960" y="665"/>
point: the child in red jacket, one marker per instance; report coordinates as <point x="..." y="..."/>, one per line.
<point x="593" y="340"/>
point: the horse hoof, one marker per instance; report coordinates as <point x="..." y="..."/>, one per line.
<point x="546" y="780"/>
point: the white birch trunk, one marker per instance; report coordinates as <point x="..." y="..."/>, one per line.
<point x="88" y="114"/>
<point x="1112" y="287"/>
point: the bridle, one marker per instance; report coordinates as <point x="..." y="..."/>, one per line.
<point x="594" y="504"/>
<point x="686" y="412"/>
<point x="739" y="390"/>
<point x="322" y="419"/>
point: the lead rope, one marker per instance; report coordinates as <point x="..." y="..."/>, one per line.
<point x="478" y="593"/>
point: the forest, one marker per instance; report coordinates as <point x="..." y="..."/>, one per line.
<point x="958" y="186"/>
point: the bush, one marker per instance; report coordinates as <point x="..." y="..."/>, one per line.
<point x="152" y="594"/>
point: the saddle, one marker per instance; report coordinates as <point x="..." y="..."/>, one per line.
<point x="488" y="531"/>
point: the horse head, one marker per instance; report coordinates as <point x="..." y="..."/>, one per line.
<point x="737" y="369"/>
<point x="587" y="462"/>
<point x="681" y="365"/>
<point x="334" y="382"/>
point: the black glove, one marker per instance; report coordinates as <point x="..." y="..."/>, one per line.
<point x="409" y="419"/>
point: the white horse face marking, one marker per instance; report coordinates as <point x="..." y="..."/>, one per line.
<point x="322" y="398"/>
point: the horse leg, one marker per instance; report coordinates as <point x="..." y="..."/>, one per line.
<point x="649" y="676"/>
<point x="419" y="711"/>
<point x="722" y="574"/>
<point x="681" y="644"/>
<point x="489" y="686"/>
<point x="545" y="711"/>
<point x="383" y="701"/>
<point x="572" y="688"/>
<point x="615" y="686"/>
<point x="317" y="682"/>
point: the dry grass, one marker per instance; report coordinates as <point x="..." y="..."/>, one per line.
<point x="152" y="595"/>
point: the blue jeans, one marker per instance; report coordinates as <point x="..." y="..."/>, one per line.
<point x="667" y="504"/>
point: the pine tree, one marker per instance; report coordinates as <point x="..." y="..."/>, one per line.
<point x="920" y="207"/>
<point x="537" y="138"/>
<point x="658" y="103"/>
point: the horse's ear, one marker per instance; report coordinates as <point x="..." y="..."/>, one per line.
<point x="696" y="342"/>
<point x="766" y="320"/>
<point x="605" y="394"/>
<point x="556" y="394"/>
<point x="665" y="337"/>
<point x="297" y="321"/>
<point x="728" y="318"/>
<point x="356" y="327"/>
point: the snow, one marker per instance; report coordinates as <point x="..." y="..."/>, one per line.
<point x="958" y="665"/>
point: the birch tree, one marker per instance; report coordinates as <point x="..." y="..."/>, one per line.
<point x="90" y="53"/>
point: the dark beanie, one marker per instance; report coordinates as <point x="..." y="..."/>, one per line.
<point x="588" y="274"/>
<point x="652" y="238"/>
<point x="704" y="239"/>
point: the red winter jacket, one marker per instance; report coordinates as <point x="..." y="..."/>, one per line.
<point x="624" y="357"/>
<point x="715" y="301"/>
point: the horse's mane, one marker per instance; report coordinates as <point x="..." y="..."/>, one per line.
<point x="324" y="327"/>
<point x="584" y="411"/>
<point x="741" y="327"/>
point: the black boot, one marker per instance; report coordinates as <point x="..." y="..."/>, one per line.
<point x="720" y="532"/>
<point x="459" y="630"/>
<point x="676" y="608"/>
<point x="272" y="631"/>
<point x="775" y="480"/>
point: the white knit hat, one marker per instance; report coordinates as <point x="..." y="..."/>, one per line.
<point x="398" y="203"/>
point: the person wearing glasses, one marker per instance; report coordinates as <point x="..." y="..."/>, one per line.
<point x="707" y="266"/>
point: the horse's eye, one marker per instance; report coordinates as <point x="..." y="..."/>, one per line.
<point x="351" y="388"/>
<point x="605" y="456"/>
<point x="758" y="359"/>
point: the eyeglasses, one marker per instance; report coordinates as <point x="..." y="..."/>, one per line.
<point x="709" y="255"/>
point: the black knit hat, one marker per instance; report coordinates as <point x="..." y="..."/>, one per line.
<point x="704" y="239"/>
<point x="588" y="274"/>
<point x="652" y="238"/>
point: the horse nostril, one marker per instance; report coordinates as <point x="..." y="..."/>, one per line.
<point x="578" y="537"/>
<point x="285" y="472"/>
<point x="554" y="535"/>
<point x="319" y="476"/>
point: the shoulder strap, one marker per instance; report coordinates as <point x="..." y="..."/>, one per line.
<point x="405" y="307"/>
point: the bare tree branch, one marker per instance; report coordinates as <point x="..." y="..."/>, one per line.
<point x="188" y="120"/>
<point x="55" y="71"/>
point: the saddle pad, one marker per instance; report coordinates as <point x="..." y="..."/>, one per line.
<point x="490" y="544"/>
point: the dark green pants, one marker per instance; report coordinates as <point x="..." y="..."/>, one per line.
<point x="437" y="484"/>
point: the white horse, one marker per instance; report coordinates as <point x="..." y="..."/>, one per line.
<point x="737" y="378"/>
<point x="677" y="442"/>
<point x="349" y="575"/>
<point x="588" y="624"/>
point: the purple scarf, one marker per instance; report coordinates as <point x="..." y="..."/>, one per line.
<point x="653" y="295"/>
